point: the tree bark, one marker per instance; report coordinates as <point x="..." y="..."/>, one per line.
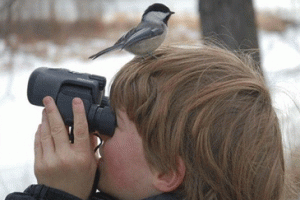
<point x="232" y="22"/>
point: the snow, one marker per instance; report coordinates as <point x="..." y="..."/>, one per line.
<point x="274" y="4"/>
<point x="19" y="119"/>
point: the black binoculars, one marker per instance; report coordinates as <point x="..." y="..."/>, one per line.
<point x="63" y="86"/>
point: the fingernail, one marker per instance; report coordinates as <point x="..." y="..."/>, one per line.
<point x="77" y="101"/>
<point x="47" y="100"/>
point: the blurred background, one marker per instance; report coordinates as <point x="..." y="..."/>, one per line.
<point x="64" y="33"/>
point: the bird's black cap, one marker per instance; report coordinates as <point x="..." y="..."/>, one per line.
<point x="158" y="7"/>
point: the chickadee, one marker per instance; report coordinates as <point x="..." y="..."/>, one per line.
<point x="147" y="36"/>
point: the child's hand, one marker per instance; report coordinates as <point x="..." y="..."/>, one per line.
<point x="58" y="163"/>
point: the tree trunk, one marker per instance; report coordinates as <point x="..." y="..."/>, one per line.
<point x="232" y="22"/>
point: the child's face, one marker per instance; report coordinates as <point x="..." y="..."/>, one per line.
<point x="124" y="171"/>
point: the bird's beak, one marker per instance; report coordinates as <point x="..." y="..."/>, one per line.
<point x="172" y="12"/>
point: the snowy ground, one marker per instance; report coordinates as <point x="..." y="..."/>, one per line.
<point x="19" y="119"/>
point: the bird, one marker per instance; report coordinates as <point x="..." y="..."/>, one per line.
<point x="147" y="36"/>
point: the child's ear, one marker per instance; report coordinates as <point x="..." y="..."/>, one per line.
<point x="167" y="182"/>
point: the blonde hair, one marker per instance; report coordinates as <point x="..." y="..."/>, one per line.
<point x="213" y="109"/>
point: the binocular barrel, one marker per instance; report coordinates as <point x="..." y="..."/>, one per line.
<point x="63" y="86"/>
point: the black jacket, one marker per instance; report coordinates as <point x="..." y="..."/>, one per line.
<point x="41" y="192"/>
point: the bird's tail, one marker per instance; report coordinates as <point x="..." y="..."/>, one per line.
<point x="112" y="48"/>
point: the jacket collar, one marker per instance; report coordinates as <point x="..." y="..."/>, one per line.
<point x="164" y="196"/>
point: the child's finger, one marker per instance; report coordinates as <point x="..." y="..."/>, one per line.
<point x="81" y="133"/>
<point x="57" y="127"/>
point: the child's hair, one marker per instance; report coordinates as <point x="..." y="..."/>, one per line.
<point x="213" y="109"/>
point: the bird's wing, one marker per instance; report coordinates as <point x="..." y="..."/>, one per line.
<point x="125" y="37"/>
<point x="140" y="33"/>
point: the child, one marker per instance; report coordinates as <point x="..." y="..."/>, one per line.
<point x="195" y="123"/>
